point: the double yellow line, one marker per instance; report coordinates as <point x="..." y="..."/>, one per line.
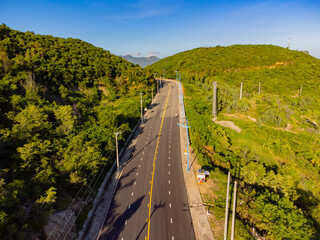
<point x="154" y="166"/>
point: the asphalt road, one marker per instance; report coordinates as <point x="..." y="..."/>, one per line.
<point x="153" y="174"/>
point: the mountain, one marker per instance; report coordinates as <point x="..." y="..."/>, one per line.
<point x="142" y="61"/>
<point x="268" y="140"/>
<point x="61" y="100"/>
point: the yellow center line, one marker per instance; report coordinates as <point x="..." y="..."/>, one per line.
<point x="154" y="159"/>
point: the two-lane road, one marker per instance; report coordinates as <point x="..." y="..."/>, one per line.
<point x="150" y="201"/>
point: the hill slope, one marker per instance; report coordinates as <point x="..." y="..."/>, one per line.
<point x="60" y="102"/>
<point x="141" y="61"/>
<point x="276" y="156"/>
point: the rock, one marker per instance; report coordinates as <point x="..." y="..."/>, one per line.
<point x="229" y="124"/>
<point x="61" y="225"/>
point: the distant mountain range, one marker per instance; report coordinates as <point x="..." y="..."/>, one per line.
<point x="142" y="61"/>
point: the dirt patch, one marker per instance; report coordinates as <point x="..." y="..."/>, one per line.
<point x="228" y="124"/>
<point x="277" y="64"/>
<point x="240" y="116"/>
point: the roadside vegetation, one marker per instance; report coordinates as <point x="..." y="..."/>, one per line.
<point x="61" y="100"/>
<point x="276" y="156"/>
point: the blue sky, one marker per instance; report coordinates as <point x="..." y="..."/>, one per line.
<point x="163" y="27"/>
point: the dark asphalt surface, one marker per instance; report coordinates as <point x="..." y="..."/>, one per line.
<point x="169" y="214"/>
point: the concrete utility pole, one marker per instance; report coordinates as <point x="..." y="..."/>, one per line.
<point x="259" y="87"/>
<point x="141" y="108"/>
<point x="300" y="90"/>
<point x="241" y="91"/>
<point x="214" y="101"/>
<point x="160" y="82"/>
<point x="227" y="211"/>
<point x="289" y="43"/>
<point x="234" y="210"/>
<point x="164" y="74"/>
<point x="152" y="94"/>
<point x="117" y="133"/>
<point x="157" y="86"/>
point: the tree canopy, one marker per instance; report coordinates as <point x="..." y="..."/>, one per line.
<point x="60" y="102"/>
<point x="276" y="156"/>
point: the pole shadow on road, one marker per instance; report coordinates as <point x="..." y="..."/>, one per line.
<point x="136" y="154"/>
<point x="115" y="223"/>
<point x="155" y="208"/>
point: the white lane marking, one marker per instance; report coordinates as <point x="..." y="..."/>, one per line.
<point x="169" y="164"/>
<point x="169" y="152"/>
<point x="146" y="142"/>
<point x="141" y="159"/>
<point x="134" y="183"/>
<point x="129" y="206"/>
<point x="169" y="181"/>
<point x="137" y="173"/>
<point x="169" y="205"/>
<point x="169" y="193"/>
<point x="126" y="222"/>
<point x="142" y="152"/>
<point x="169" y="146"/>
<point x="169" y="157"/>
<point x="172" y="238"/>
<point x="169" y="172"/>
<point x="170" y="220"/>
<point x="132" y="194"/>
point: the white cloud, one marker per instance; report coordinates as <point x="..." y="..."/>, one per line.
<point x="152" y="53"/>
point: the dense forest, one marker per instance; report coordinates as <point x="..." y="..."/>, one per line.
<point x="276" y="156"/>
<point x="61" y="100"/>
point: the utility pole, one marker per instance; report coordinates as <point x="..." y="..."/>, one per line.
<point x="164" y="74"/>
<point x="289" y="43"/>
<point x="117" y="133"/>
<point x="241" y="91"/>
<point x="157" y="86"/>
<point x="160" y="82"/>
<point x="141" y="108"/>
<point x="152" y="94"/>
<point x="234" y="210"/>
<point x="259" y="87"/>
<point x="214" y="101"/>
<point x="300" y="90"/>
<point x="227" y="211"/>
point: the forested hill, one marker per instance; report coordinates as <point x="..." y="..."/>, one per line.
<point x="141" y="61"/>
<point x="61" y="100"/>
<point x="248" y="63"/>
<point x="275" y="152"/>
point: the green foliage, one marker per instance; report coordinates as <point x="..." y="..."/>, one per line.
<point x="276" y="155"/>
<point x="60" y="102"/>
<point x="273" y="118"/>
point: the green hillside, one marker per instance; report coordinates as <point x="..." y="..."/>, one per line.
<point x="276" y="156"/>
<point x="61" y="100"/>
